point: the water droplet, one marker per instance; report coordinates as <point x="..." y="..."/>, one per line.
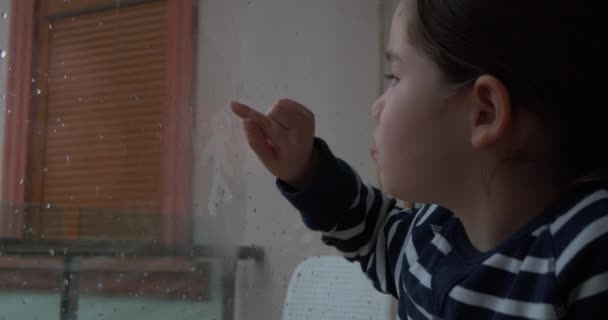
<point x="66" y="282"/>
<point x="63" y="125"/>
<point x="46" y="170"/>
<point x="4" y="15"/>
<point x="48" y="205"/>
<point x="21" y="181"/>
<point x="52" y="252"/>
<point x="38" y="91"/>
<point x="67" y="159"/>
<point x="50" y="26"/>
<point x="2" y="54"/>
<point x="99" y="285"/>
<point x="58" y="120"/>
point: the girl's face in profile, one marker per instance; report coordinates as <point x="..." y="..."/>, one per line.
<point x="422" y="128"/>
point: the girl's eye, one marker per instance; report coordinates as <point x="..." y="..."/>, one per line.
<point x="392" y="78"/>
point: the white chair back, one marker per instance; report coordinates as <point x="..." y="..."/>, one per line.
<point x="331" y="288"/>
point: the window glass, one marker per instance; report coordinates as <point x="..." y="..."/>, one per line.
<point x="128" y="188"/>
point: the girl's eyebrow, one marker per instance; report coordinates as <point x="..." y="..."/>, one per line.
<point x="391" y="55"/>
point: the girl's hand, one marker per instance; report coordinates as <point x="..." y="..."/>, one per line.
<point x="282" y="139"/>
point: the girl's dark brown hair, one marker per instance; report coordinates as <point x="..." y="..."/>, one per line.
<point x="550" y="54"/>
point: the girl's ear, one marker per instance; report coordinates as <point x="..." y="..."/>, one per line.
<point x="490" y="113"/>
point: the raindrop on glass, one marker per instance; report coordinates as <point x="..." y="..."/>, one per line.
<point x="66" y="282"/>
<point x="52" y="252"/>
<point x="2" y="54"/>
<point x="48" y="205"/>
<point x="38" y="91"/>
<point x="4" y="15"/>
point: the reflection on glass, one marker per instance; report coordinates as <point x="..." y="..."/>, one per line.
<point x="30" y="287"/>
<point x="126" y="192"/>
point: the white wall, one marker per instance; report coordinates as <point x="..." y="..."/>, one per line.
<point x="4" y="23"/>
<point x="325" y="54"/>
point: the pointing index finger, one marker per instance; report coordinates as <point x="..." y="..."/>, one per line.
<point x="246" y="112"/>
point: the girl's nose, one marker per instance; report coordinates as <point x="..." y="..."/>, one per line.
<point x="377" y="108"/>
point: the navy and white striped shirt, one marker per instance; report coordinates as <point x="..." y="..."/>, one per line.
<point x="555" y="267"/>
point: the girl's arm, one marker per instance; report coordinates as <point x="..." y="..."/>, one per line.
<point x="363" y="223"/>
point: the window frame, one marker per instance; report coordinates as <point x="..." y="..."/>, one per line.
<point x="25" y="34"/>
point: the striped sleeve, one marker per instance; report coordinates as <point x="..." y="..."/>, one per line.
<point x="581" y="264"/>
<point x="359" y="220"/>
<point x="372" y="232"/>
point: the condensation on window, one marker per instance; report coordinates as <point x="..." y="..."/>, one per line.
<point x="129" y="190"/>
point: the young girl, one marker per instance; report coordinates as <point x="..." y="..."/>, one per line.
<point x="494" y="117"/>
